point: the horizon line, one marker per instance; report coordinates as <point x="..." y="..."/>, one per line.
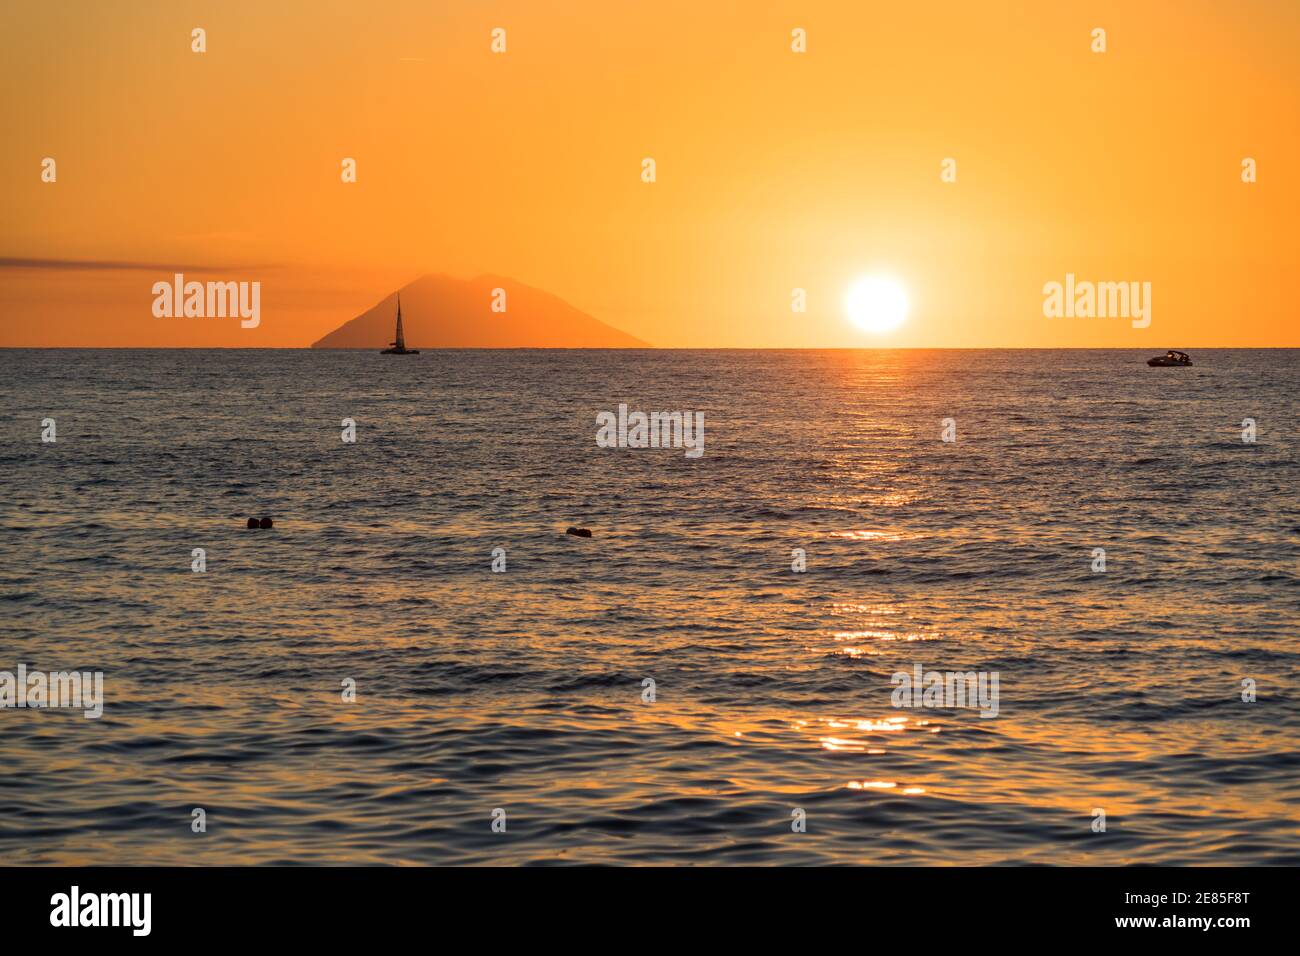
<point x="640" y="348"/>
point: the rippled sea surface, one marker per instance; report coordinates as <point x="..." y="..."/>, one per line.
<point x="523" y="690"/>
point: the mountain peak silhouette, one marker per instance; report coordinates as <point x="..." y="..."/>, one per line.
<point x="439" y="311"/>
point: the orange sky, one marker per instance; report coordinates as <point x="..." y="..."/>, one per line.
<point x="776" y="170"/>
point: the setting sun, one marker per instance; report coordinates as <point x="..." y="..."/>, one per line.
<point x="876" y="304"/>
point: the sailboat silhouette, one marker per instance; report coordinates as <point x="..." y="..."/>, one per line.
<point x="399" y="347"/>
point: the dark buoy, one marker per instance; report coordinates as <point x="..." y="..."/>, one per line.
<point x="252" y="523"/>
<point x="267" y="523"/>
<point x="578" y="532"/>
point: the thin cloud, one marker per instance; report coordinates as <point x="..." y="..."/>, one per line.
<point x="101" y="265"/>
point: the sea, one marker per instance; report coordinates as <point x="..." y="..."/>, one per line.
<point x="417" y="665"/>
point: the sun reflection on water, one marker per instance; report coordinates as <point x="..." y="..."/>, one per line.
<point x="832" y="739"/>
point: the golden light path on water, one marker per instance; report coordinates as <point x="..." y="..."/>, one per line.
<point x="773" y="686"/>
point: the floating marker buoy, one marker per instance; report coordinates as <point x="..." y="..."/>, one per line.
<point x="578" y="532"/>
<point x="252" y="523"/>
<point x="267" y="523"/>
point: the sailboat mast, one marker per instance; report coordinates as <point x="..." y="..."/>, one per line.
<point x="401" y="341"/>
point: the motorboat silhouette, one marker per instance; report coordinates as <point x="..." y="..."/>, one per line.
<point x="1170" y="358"/>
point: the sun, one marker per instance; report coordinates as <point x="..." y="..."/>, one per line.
<point x="876" y="304"/>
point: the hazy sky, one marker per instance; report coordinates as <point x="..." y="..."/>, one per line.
<point x="775" y="170"/>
